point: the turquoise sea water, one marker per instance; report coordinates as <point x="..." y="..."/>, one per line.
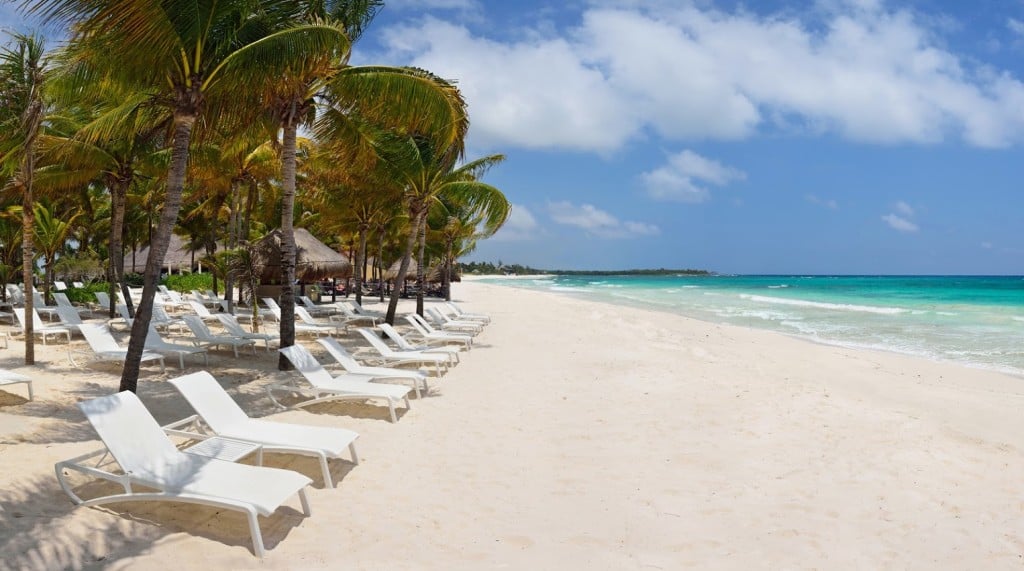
<point x="975" y="320"/>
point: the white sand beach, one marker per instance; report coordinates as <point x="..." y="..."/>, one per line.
<point x="575" y="435"/>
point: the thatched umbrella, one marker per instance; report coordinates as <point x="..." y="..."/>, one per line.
<point x="432" y="275"/>
<point x="315" y="260"/>
<point x="178" y="258"/>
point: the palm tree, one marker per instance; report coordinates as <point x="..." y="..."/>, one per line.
<point x="51" y="235"/>
<point x="428" y="173"/>
<point x="190" y="58"/>
<point x="23" y="75"/>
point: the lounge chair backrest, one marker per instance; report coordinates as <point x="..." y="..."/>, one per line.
<point x="437" y="315"/>
<point x="206" y="396"/>
<point x="396" y="337"/>
<point x="123" y="310"/>
<point x="377" y="343"/>
<point x="62" y="299"/>
<point x="198" y="328"/>
<point x="411" y="318"/>
<point x="340" y="354"/>
<point x="423" y="322"/>
<point x="306" y="364"/>
<point x="230" y="322"/>
<point x="102" y="298"/>
<point x="99" y="337"/>
<point x="37" y="323"/>
<point x="304" y="315"/>
<point x="199" y="308"/>
<point x="274" y="308"/>
<point x="130" y="433"/>
<point x="69" y="315"/>
<point x="61" y="286"/>
<point x="307" y="302"/>
<point x="78" y="284"/>
<point x="160" y="314"/>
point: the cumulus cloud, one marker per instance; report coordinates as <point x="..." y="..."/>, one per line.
<point x="1015" y="26"/>
<point x="827" y="203"/>
<point x="521" y="225"/>
<point x="904" y="208"/>
<point x="899" y="223"/>
<point x="685" y="176"/>
<point x="683" y="71"/>
<point x="598" y="222"/>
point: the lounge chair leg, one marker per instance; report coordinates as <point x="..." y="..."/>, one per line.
<point x="352" y="450"/>
<point x="391" y="409"/>
<point x="254" y="530"/>
<point x="305" y="503"/>
<point x="328" y="482"/>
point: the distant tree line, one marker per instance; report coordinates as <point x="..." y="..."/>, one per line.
<point x="489" y="268"/>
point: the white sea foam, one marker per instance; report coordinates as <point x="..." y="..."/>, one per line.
<point x="780" y="286"/>
<point x="823" y="305"/>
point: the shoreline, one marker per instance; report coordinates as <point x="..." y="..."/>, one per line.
<point x="575" y="435"/>
<point x="673" y="310"/>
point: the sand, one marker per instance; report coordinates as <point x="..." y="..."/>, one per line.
<point x="575" y="435"/>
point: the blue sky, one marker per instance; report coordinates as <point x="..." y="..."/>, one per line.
<point x="828" y="136"/>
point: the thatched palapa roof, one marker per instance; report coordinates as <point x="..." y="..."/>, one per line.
<point x="314" y="261"/>
<point x="179" y="258"/>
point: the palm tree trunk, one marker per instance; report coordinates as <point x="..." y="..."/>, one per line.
<point x="28" y="223"/>
<point x="287" y="301"/>
<point x="379" y="262"/>
<point x="229" y="281"/>
<point x="421" y="271"/>
<point x="446" y="277"/>
<point x="183" y="122"/>
<point x="118" y="200"/>
<point x="410" y="243"/>
<point x="360" y="263"/>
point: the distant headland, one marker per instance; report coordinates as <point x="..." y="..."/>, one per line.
<point x="499" y="269"/>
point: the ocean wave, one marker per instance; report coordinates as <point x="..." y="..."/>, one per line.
<point x="824" y="305"/>
<point x="780" y="286"/>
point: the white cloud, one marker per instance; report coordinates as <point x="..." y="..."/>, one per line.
<point x="857" y="69"/>
<point x="467" y="5"/>
<point x="1015" y="26"/>
<point x="904" y="208"/>
<point x="598" y="222"/>
<point x="680" y="179"/>
<point x="986" y="245"/>
<point x="900" y="223"/>
<point x="521" y="225"/>
<point x="827" y="203"/>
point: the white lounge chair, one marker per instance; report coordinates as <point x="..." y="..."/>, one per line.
<point x="348" y="362"/>
<point x="451" y="352"/>
<point x="448" y="324"/>
<point x="69" y="317"/>
<point x="349" y="316"/>
<point x="204" y="337"/>
<point x="12" y="378"/>
<point x="308" y="324"/>
<point x="466" y="316"/>
<point x="77" y="284"/>
<point x="317" y="310"/>
<point x="63" y="301"/>
<point x="225" y="418"/>
<point x="156" y="344"/>
<point x="202" y="311"/>
<point x="243" y="313"/>
<point x="60" y="286"/>
<point x="324" y="387"/>
<point x="147" y="458"/>
<point x="388" y="355"/>
<point x="235" y="329"/>
<point x="431" y="335"/>
<point x="360" y="310"/>
<point x="39" y="305"/>
<point x="204" y="299"/>
<point x="171" y="297"/>
<point x="105" y="347"/>
<point x="44" y="331"/>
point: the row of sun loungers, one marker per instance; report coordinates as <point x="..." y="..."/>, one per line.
<point x="138" y="453"/>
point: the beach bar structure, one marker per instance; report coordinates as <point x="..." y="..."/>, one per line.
<point x="315" y="261"/>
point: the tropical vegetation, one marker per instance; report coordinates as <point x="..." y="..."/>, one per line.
<point x="219" y="122"/>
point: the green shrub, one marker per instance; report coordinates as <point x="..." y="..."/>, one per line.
<point x="189" y="282"/>
<point x="86" y="294"/>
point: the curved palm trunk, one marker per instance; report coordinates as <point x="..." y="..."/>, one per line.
<point x="410" y="243"/>
<point x="379" y="264"/>
<point x="360" y="263"/>
<point x="446" y="277"/>
<point x="421" y="272"/>
<point x="28" y="223"/>
<point x="183" y="123"/>
<point x="287" y="301"/>
<point x="233" y="222"/>
<point x="118" y="199"/>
